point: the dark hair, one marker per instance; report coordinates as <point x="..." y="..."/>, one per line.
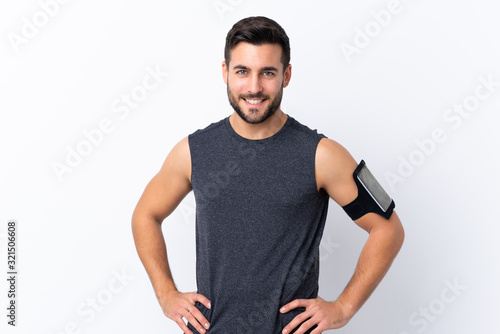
<point x="258" y="30"/>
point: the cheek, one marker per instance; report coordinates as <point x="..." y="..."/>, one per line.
<point x="237" y="87"/>
<point x="273" y="88"/>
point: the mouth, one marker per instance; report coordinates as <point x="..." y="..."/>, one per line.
<point x="254" y="102"/>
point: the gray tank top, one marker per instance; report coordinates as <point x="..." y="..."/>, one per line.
<point x="259" y="222"/>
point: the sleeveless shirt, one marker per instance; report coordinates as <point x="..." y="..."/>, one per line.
<point x="259" y="223"/>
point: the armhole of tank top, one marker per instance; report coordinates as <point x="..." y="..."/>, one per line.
<point x="321" y="191"/>
<point x="190" y="162"/>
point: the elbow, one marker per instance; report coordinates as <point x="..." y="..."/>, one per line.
<point x="136" y="223"/>
<point x="392" y="232"/>
<point x="400" y="236"/>
<point x="141" y="220"/>
<point x="398" y="233"/>
<point x="136" y="219"/>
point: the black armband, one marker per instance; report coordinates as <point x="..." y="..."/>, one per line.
<point x="371" y="196"/>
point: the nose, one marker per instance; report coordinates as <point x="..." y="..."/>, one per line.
<point x="254" y="85"/>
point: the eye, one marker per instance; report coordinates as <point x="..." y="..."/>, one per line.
<point x="268" y="74"/>
<point x="241" y="72"/>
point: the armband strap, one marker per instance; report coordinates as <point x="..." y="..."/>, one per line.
<point x="371" y="196"/>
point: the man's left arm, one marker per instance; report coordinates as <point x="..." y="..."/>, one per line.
<point x="334" y="174"/>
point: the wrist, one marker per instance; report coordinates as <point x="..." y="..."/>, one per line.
<point x="348" y="308"/>
<point x="166" y="294"/>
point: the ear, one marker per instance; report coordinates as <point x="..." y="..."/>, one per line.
<point x="287" y="75"/>
<point x="224" y="71"/>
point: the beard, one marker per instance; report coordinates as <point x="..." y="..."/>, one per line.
<point x="253" y="116"/>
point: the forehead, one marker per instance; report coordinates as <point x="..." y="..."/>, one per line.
<point x="256" y="56"/>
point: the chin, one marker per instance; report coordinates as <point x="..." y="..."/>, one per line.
<point x="254" y="117"/>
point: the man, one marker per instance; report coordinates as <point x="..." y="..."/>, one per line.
<point x="262" y="182"/>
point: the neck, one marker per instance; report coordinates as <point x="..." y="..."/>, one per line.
<point x="258" y="131"/>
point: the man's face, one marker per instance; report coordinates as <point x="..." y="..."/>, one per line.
<point x="255" y="80"/>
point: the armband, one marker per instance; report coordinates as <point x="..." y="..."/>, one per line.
<point x="371" y="196"/>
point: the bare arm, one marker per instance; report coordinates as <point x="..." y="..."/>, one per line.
<point x="161" y="196"/>
<point x="384" y="242"/>
<point x="334" y="168"/>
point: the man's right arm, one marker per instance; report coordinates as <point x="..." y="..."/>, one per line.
<point x="161" y="196"/>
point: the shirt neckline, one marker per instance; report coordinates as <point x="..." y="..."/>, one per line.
<point x="233" y="133"/>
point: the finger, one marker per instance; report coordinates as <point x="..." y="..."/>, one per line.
<point x="294" y="304"/>
<point x="305" y="327"/>
<point x="299" y="319"/>
<point x="204" y="300"/>
<point x="317" y="330"/>
<point x="199" y="317"/>
<point x="183" y="326"/>
<point x="192" y="320"/>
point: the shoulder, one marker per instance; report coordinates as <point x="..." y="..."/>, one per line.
<point x="178" y="161"/>
<point x="181" y="149"/>
<point x="304" y="131"/>
<point x="208" y="131"/>
<point x="334" y="169"/>
<point x="331" y="151"/>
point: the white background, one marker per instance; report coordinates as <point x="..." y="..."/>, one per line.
<point x="66" y="75"/>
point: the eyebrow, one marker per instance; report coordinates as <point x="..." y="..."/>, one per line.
<point x="263" y="69"/>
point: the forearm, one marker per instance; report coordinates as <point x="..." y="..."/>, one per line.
<point x="383" y="244"/>
<point x="150" y="245"/>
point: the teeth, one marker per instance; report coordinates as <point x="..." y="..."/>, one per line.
<point x="254" y="101"/>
